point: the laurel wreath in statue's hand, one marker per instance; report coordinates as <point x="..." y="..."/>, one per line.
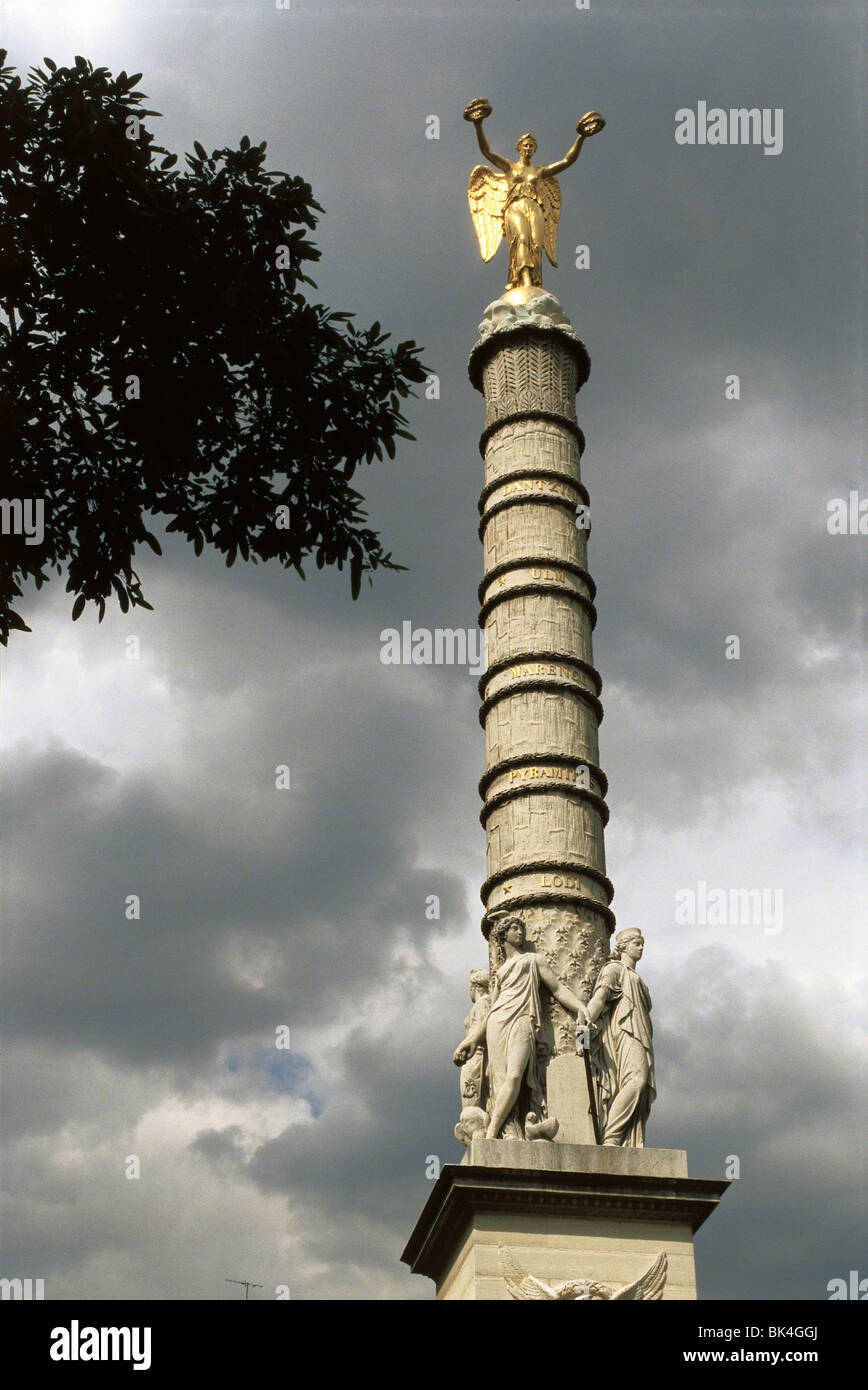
<point x="590" y="123"/>
<point x="477" y="110"/>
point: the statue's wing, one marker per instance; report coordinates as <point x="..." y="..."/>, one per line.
<point x="550" y="193"/>
<point x="521" y="1284"/>
<point x="649" y="1285"/>
<point x="486" y="193"/>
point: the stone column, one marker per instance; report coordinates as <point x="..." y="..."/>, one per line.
<point x="543" y="788"/>
<point x="570" y="1210"/>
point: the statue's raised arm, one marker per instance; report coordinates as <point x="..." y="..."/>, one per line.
<point x="590" y="123"/>
<point x="522" y="201"/>
<point x="476" y="111"/>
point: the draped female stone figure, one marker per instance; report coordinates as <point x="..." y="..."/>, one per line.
<point x="516" y="1080"/>
<point x="473" y="1082"/>
<point x="622" y="1058"/>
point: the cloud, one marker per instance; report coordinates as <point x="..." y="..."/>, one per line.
<point x="307" y="908"/>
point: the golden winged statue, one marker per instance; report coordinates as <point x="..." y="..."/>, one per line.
<point x="522" y="201"/>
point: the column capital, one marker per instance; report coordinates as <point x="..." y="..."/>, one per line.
<point x="505" y="320"/>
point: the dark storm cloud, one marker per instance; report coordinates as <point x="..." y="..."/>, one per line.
<point x="735" y="1078"/>
<point x="233" y="869"/>
<point x="305" y="907"/>
<point x="709" y="514"/>
<point x="768" y="1066"/>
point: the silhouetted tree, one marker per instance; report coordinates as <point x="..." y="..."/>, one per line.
<point x="159" y="357"/>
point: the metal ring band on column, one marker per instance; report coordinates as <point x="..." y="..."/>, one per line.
<point x="542" y="683"/>
<point x="538" y="586"/>
<point x="528" y="413"/>
<point x="546" y="866"/>
<point x="550" y="788"/>
<point x="538" y="658"/>
<point x="520" y="759"/>
<point x="525" y="561"/>
<point x="553" y="474"/>
<point x="514" y="336"/>
<point x="556" y="481"/>
<point x="549" y="898"/>
<point x="569" y="507"/>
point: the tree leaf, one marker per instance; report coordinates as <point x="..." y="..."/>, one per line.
<point x="162" y="368"/>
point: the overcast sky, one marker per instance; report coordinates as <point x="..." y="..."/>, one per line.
<point x="261" y="908"/>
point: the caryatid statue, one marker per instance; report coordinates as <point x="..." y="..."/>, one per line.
<point x="473" y="1081"/>
<point x="522" y="201"/>
<point x="622" y="1059"/>
<point x="509" y="1031"/>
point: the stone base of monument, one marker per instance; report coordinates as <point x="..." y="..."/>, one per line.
<point x="560" y="1212"/>
<point x="567" y="1092"/>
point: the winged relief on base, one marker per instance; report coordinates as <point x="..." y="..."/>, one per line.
<point x="524" y="1286"/>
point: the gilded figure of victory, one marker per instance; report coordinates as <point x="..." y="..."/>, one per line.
<point x="522" y="201"/>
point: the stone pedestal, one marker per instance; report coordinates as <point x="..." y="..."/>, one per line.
<point x="568" y="1099"/>
<point x="564" y="1211"/>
